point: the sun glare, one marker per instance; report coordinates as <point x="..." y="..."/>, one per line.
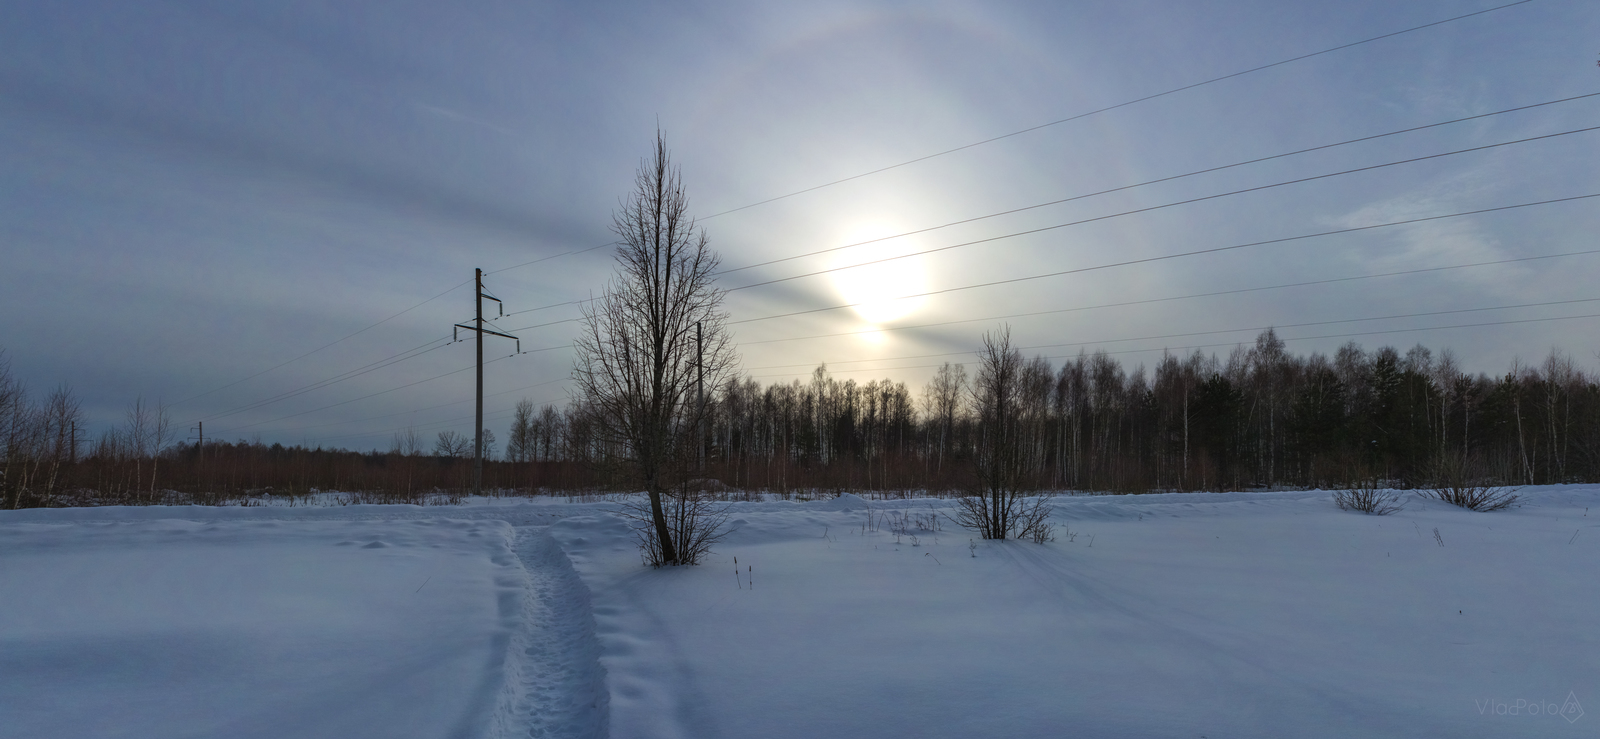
<point x="878" y="290"/>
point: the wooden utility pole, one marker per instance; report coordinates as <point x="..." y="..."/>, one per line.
<point x="700" y="393"/>
<point x="477" y="424"/>
<point x="477" y="327"/>
<point x="200" y="429"/>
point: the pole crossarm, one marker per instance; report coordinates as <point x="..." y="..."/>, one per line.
<point x="487" y="331"/>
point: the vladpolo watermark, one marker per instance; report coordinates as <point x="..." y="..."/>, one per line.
<point x="1568" y="709"/>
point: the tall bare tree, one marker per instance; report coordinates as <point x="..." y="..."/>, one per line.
<point x="61" y="415"/>
<point x="18" y="436"/>
<point x="656" y="331"/>
<point x="520" y="444"/>
<point x="941" y="405"/>
<point x="148" y="431"/>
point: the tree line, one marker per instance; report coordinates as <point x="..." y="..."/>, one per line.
<point x="1259" y="417"/>
<point x="47" y="458"/>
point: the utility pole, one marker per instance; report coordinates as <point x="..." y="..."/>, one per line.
<point x="477" y="327"/>
<point x="72" y="456"/>
<point x="700" y="392"/>
<point x="200" y="429"/>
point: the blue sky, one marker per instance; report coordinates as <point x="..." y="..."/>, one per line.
<point x="194" y="193"/>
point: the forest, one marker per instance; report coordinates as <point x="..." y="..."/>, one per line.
<point x="1257" y="418"/>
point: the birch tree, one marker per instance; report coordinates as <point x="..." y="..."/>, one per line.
<point x="644" y="344"/>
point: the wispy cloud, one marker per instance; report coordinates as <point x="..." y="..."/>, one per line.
<point x="455" y="115"/>
<point x="1441" y="242"/>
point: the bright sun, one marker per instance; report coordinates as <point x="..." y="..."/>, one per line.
<point x="878" y="290"/>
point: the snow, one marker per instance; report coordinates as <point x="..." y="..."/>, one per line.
<point x="1243" y="614"/>
<point x="1238" y="614"/>
<point x="176" y="628"/>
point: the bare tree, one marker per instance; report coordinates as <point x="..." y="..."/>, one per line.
<point x="548" y="432"/>
<point x="996" y="508"/>
<point x="407" y="446"/>
<point x="18" y="437"/>
<point x="488" y="444"/>
<point x="645" y="342"/>
<point x="520" y="442"/>
<point x="452" y="445"/>
<point x="160" y="438"/>
<point x="146" y="432"/>
<point x="407" y="443"/>
<point x="61" y="415"/>
<point x="941" y="404"/>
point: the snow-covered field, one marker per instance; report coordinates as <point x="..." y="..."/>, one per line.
<point x="1215" y="615"/>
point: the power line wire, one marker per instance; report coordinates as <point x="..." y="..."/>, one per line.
<point x="1231" y="343"/>
<point x="1149" y="182"/>
<point x="1111" y="108"/>
<point x="364" y="397"/>
<point x="419" y="410"/>
<point x="358" y="332"/>
<point x="1155" y="259"/>
<point x="1074" y="198"/>
<point x="357" y="372"/>
<point x="364" y="369"/>
<point x="542" y="259"/>
<point x="324" y="346"/>
<point x="1157" y="207"/>
<point x="1207" y="333"/>
<point x="1096" y="112"/>
<point x="542" y="325"/>
<point x="1078" y="197"/>
<point x="1170" y="298"/>
<point x="1170" y="256"/>
<point x="497" y="415"/>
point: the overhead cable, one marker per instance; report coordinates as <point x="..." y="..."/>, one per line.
<point x="1158" y="207"/>
<point x="1121" y="188"/>
<point x="1164" y="257"/>
<point x="1113" y="107"/>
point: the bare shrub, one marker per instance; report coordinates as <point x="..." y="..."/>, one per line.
<point x="709" y="485"/>
<point x="994" y="505"/>
<point x="694" y="520"/>
<point x="1033" y="521"/>
<point x="1368" y="496"/>
<point x="1461" y="482"/>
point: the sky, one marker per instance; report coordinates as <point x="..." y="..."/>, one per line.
<point x="223" y="208"/>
